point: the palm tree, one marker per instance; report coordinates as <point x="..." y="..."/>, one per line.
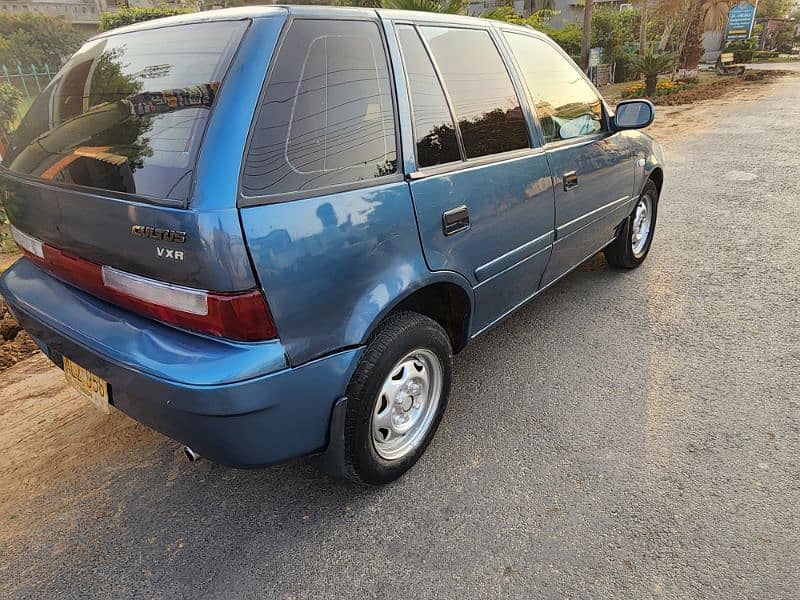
<point x="441" y="6"/>
<point x="715" y="14"/>
<point x="651" y="66"/>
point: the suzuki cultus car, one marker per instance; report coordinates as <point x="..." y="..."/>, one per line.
<point x="265" y="231"/>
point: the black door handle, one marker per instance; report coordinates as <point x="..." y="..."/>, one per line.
<point x="455" y="220"/>
<point x="570" y="180"/>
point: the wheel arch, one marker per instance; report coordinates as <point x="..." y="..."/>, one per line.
<point x="657" y="177"/>
<point x="447" y="299"/>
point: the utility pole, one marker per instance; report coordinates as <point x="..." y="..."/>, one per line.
<point x="587" y="33"/>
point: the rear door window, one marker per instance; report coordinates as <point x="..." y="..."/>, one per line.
<point x="434" y="132"/>
<point x="127" y="112"/>
<point x="484" y="100"/>
<point x="327" y="116"/>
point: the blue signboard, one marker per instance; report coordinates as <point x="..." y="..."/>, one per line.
<point x="740" y="21"/>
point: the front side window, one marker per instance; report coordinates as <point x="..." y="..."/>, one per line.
<point x="127" y="111"/>
<point x="566" y="105"/>
<point x="485" y="103"/>
<point x="327" y="115"/>
<point x="433" y="125"/>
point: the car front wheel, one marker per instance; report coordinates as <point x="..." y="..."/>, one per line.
<point x="630" y="247"/>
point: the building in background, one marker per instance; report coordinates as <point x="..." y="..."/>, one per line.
<point x="84" y="15"/>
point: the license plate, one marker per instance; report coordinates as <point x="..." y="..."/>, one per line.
<point x="87" y="384"/>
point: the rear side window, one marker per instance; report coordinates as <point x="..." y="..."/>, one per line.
<point x="327" y="115"/>
<point x="483" y="97"/>
<point x="127" y="112"/>
<point x="566" y="105"/>
<point x="433" y="125"/>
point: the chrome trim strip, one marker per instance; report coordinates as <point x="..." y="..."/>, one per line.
<point x="574" y="225"/>
<point x="512" y="258"/>
<point x="539" y="291"/>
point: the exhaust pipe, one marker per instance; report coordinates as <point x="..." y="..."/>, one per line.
<point x="190" y="454"/>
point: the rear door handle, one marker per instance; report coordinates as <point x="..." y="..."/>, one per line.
<point x="570" y="180"/>
<point x="455" y="220"/>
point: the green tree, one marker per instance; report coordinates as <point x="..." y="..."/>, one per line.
<point x="775" y="9"/>
<point x="30" y="38"/>
<point x="129" y="16"/>
<point x="612" y="29"/>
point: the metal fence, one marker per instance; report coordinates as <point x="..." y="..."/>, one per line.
<point x="28" y="80"/>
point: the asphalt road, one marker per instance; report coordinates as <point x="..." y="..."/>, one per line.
<point x="625" y="434"/>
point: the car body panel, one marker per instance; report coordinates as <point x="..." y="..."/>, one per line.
<point x="335" y="264"/>
<point x="587" y="215"/>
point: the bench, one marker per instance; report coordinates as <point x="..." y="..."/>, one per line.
<point x="726" y="66"/>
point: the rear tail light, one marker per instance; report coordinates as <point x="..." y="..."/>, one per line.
<point x="29" y="244"/>
<point x="240" y="316"/>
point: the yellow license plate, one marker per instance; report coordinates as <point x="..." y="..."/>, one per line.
<point x="87" y="384"/>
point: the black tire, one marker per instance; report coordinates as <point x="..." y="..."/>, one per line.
<point x="398" y="335"/>
<point x="619" y="253"/>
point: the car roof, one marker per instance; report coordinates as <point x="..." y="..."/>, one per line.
<point x="310" y="11"/>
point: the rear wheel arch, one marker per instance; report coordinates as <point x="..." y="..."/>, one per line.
<point x="446" y="302"/>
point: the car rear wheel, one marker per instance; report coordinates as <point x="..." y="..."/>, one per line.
<point x="396" y="398"/>
<point x="630" y="247"/>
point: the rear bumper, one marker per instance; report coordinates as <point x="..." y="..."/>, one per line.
<point x="235" y="403"/>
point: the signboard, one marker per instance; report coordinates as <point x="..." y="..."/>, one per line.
<point x="594" y="57"/>
<point x="740" y="21"/>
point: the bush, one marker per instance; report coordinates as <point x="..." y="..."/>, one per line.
<point x="764" y="55"/>
<point x="10" y="97"/>
<point x="129" y="16"/>
<point x="624" y="69"/>
<point x="743" y="50"/>
<point x="568" y="38"/>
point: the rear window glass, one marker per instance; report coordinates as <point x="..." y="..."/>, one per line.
<point x="127" y="112"/>
<point x="327" y="115"/>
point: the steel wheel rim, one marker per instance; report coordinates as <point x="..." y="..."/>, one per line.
<point x="406" y="404"/>
<point x="642" y="223"/>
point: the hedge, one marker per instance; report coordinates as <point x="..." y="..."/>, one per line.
<point x="128" y="16"/>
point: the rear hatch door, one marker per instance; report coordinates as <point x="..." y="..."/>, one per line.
<point x="102" y="165"/>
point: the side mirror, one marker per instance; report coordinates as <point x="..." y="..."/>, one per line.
<point x="634" y="114"/>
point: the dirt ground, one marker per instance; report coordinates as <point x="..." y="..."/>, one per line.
<point x="47" y="431"/>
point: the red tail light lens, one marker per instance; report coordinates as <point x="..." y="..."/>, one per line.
<point x="241" y="316"/>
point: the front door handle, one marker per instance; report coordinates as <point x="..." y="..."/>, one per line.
<point x="455" y="220"/>
<point x="570" y="180"/>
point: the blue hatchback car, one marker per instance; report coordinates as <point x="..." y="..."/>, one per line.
<point x="264" y="232"/>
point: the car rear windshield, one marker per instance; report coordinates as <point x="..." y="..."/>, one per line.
<point x="127" y="112"/>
